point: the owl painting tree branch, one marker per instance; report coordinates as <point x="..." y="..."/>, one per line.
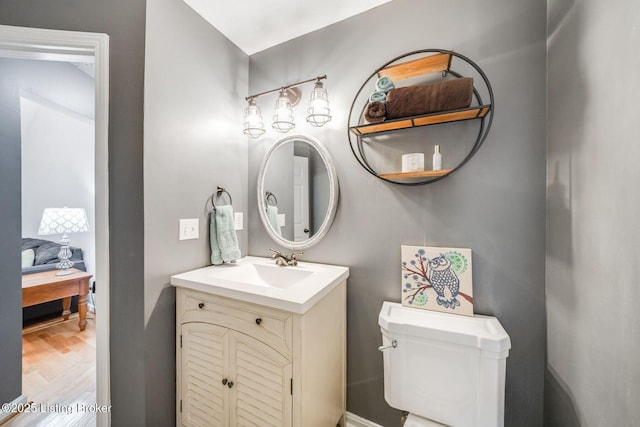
<point x="437" y="279"/>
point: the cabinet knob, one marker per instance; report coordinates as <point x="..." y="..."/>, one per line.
<point x="258" y="321"/>
<point x="224" y="381"/>
<point x="230" y="384"/>
<point x="201" y="305"/>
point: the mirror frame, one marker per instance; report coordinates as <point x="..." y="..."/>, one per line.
<point x="333" y="193"/>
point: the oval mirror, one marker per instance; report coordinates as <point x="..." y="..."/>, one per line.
<point x="297" y="191"/>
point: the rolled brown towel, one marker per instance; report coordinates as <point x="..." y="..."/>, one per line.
<point x="431" y="98"/>
<point x="375" y="112"/>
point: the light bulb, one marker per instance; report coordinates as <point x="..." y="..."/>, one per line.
<point x="253" y="125"/>
<point x="283" y="116"/>
<point x="318" y="113"/>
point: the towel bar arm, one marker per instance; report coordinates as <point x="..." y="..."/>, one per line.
<point x="218" y="193"/>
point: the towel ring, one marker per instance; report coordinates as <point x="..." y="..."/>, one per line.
<point x="218" y="193"/>
<point x="269" y="194"/>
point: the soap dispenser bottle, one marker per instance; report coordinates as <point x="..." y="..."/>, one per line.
<point x="437" y="158"/>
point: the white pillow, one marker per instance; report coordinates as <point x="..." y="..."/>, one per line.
<point x="28" y="256"/>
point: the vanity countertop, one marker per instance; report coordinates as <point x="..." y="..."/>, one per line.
<point x="258" y="280"/>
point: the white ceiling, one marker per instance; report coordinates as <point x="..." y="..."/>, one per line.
<point x="256" y="25"/>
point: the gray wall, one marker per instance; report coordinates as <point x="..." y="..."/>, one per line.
<point x="10" y="303"/>
<point x="494" y="204"/>
<point x="195" y="84"/>
<point x="593" y="374"/>
<point x="124" y="21"/>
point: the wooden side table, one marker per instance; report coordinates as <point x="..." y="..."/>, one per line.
<point x="46" y="286"/>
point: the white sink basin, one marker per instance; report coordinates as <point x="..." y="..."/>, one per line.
<point x="265" y="275"/>
<point x="261" y="281"/>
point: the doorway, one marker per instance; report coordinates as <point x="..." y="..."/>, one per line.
<point x="81" y="48"/>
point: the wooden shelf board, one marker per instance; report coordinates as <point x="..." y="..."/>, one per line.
<point x="421" y="174"/>
<point x="425" y="120"/>
<point x="382" y="127"/>
<point x="417" y="67"/>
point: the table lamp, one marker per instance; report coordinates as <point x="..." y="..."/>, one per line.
<point x="62" y="221"/>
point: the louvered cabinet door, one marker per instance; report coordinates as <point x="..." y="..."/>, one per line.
<point x="204" y="363"/>
<point x="261" y="395"/>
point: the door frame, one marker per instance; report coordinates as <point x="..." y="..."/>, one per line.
<point x="59" y="45"/>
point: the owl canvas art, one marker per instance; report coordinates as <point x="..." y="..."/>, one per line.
<point x="438" y="279"/>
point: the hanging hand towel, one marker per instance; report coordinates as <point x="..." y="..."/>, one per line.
<point x="226" y="232"/>
<point x="216" y="255"/>
<point x="272" y="216"/>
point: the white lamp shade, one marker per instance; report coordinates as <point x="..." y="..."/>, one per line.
<point x="63" y="220"/>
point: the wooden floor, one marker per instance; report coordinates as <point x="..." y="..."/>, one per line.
<point x="58" y="374"/>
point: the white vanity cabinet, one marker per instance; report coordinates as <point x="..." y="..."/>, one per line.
<point x="246" y="364"/>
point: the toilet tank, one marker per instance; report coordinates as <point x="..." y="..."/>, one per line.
<point x="447" y="368"/>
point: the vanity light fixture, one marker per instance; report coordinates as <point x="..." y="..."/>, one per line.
<point x="253" y="124"/>
<point x="318" y="112"/>
<point x="283" y="115"/>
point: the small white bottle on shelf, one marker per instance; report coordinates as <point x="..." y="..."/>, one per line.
<point x="437" y="158"/>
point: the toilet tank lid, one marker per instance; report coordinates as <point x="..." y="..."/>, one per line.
<point x="484" y="332"/>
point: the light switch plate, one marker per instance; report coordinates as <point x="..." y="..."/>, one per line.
<point x="238" y="220"/>
<point x="189" y="229"/>
<point x="282" y="220"/>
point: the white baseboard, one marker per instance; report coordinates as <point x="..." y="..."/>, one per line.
<point x="20" y="400"/>
<point x="354" y="420"/>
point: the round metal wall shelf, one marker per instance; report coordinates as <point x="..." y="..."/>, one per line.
<point x="429" y="61"/>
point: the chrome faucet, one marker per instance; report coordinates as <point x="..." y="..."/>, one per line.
<point x="282" y="260"/>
